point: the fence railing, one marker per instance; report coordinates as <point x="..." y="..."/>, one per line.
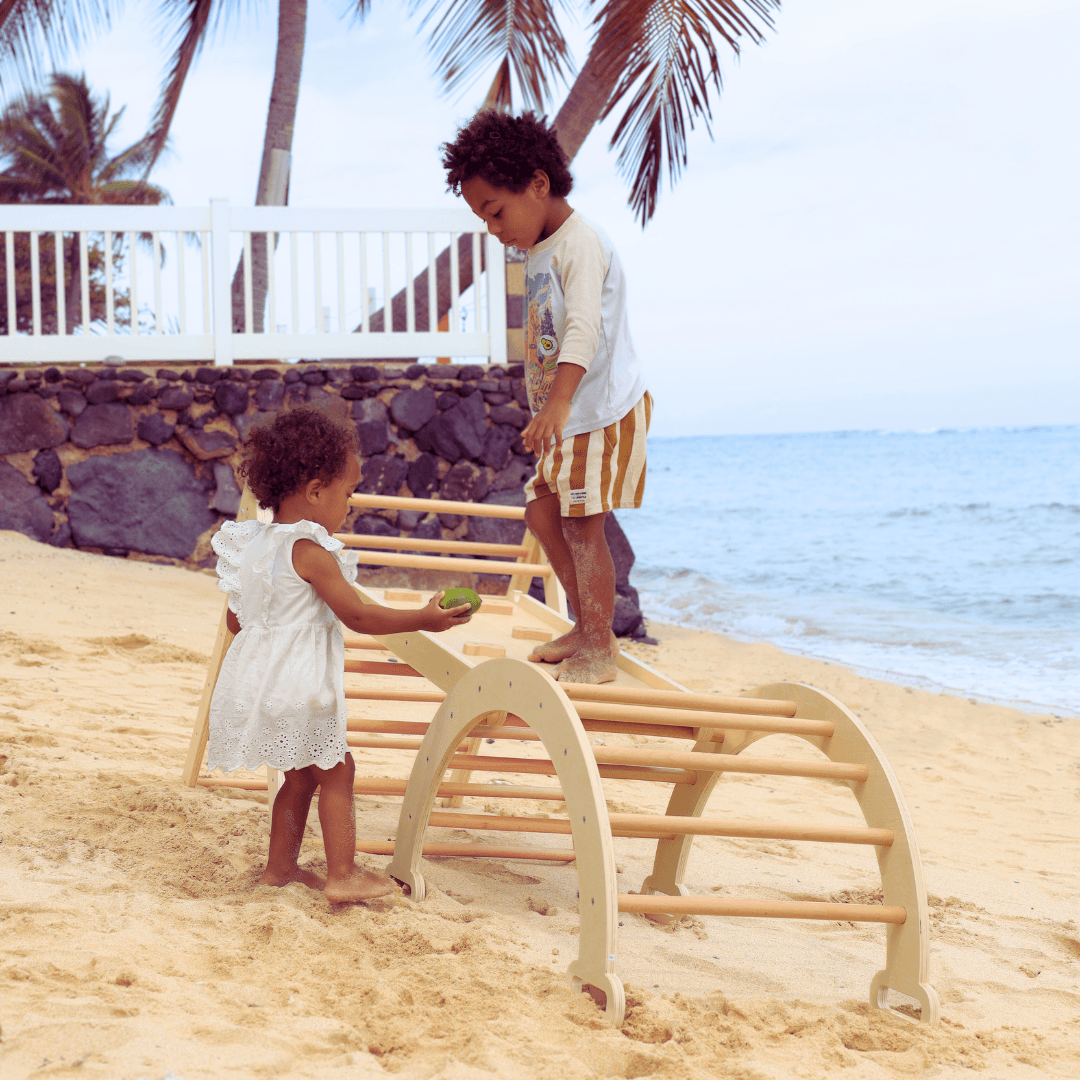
<point x="82" y="283"/>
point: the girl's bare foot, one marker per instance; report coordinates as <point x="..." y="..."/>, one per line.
<point x="562" y="648"/>
<point x="588" y="666"/>
<point x="359" y="885"/>
<point x="297" y="873"/>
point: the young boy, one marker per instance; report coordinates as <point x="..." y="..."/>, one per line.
<point x="586" y="390"/>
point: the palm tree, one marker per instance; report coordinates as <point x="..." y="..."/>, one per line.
<point x="56" y="146"/>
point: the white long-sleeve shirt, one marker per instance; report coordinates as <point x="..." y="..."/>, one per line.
<point x="578" y="315"/>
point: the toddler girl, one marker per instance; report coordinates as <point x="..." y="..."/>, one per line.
<point x="280" y="697"/>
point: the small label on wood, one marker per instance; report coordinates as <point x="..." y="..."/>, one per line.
<point x="531" y="633"/>
<point x="403" y="595"/>
<point x="496" y="607"/>
<point x="482" y="648"/>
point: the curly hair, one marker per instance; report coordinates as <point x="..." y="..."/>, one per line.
<point x="506" y="151"/>
<point x="300" y="445"/>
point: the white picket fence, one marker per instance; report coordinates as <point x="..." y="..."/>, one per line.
<point x="331" y="270"/>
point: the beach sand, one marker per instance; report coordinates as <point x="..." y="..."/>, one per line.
<point x="134" y="942"/>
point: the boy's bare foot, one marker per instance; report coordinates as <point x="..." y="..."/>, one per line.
<point x="588" y="666"/>
<point x="562" y="648"/>
<point x="297" y="873"/>
<point x="359" y="885"/>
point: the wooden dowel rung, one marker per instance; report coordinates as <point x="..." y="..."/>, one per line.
<point x="377" y="693"/>
<point x="653" y="824"/>
<point x="481" y="763"/>
<point x="683" y="759"/>
<point x="408" y="543"/>
<point x="368" y="742"/>
<point x="760" y="909"/>
<point x="228" y="782"/>
<point x="519" y="731"/>
<point x="438" y="506"/>
<point x="387" y="786"/>
<point x="364" y="641"/>
<point x="457" y="566"/>
<point x="677" y="699"/>
<point x="378" y="667"/>
<point x="599" y="710"/>
<point x="472" y="851"/>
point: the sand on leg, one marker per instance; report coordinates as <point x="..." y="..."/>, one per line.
<point x="594" y="660"/>
<point x="345" y="881"/>
<point x="544" y="520"/>
<point x="287" y="825"/>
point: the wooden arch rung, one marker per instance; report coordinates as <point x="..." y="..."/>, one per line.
<point x="472" y="851"/>
<point x="376" y="693"/>
<point x="697" y="718"/>
<point x="701" y="762"/>
<point x="390" y="786"/>
<point x="378" y="667"/>
<point x="438" y="506"/>
<point x="458" y="566"/>
<point x="760" y="909"/>
<point x="364" y="641"/>
<point x="513" y="732"/>
<point x="677" y="699"/>
<point x="411" y="543"/>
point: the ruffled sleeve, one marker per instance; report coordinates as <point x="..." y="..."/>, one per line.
<point x="229" y="542"/>
<point x="347" y="558"/>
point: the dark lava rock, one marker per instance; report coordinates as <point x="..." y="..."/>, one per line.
<point x="155" y="429"/>
<point x="167" y="374"/>
<point x="496" y="400"/>
<point x="265" y="373"/>
<point x="231" y="397"/>
<point x="516" y="371"/>
<point x="52" y="374"/>
<point x="175" y="397"/>
<point x="464" y="483"/>
<point x="148" y="500"/>
<point x="497" y="443"/>
<point x="353" y="392"/>
<point x="103" y="425"/>
<point x="206" y="445"/>
<point x="226" y="498"/>
<point x="373" y="525"/>
<point x="364" y="373"/>
<point x="187" y="376"/>
<point x="409" y="519"/>
<point x="374" y="436"/>
<point x="627" y="617"/>
<point x="313" y="378"/>
<point x="514" y="476"/>
<point x="203" y="397"/>
<point x="238" y="374"/>
<point x="370" y="409"/>
<point x="521" y="396"/>
<point x="423" y="476"/>
<point x="269" y="394"/>
<point x="81" y="376"/>
<point x="507" y="414"/>
<point x="498" y="530"/>
<point x="18" y="386"/>
<point x="141" y="395"/>
<point x="622" y="554"/>
<point x="246" y="422"/>
<point x="416" y="371"/>
<point x="296" y="394"/>
<point x="209" y="375"/>
<point x="391" y="373"/>
<point x="383" y="475"/>
<point x="22" y="506"/>
<point x="428" y="529"/>
<point x="27" y="422"/>
<point x="62" y="536"/>
<point x="458" y="432"/>
<point x="132" y="375"/>
<point x="71" y="402"/>
<point x="412" y="409"/>
<point x="471" y="371"/>
<point x="488" y="385"/>
<point x="291" y="376"/>
<point x="48" y="472"/>
<point x="447" y="400"/>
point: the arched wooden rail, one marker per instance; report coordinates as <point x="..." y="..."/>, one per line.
<point x="457" y="700"/>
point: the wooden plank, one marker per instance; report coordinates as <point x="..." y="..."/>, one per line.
<point x="438" y="506"/>
<point x="378" y="667"/>
<point x="408" y="543"/>
<point x="472" y="851"/>
<point x="760" y="909"/>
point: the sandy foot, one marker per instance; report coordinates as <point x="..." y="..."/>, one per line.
<point x="588" y="666"/>
<point x="562" y="648"/>
<point x="298" y="873"/>
<point x="359" y="885"/>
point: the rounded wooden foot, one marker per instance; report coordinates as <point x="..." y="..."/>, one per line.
<point x="410" y="879"/>
<point x="925" y="994"/>
<point x="596" y="983"/>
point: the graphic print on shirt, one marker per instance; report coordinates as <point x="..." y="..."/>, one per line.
<point x="542" y="348"/>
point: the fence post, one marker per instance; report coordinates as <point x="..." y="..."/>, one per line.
<point x="495" y="263"/>
<point x="222" y="282"/>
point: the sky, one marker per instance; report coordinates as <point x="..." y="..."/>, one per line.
<point x="882" y="233"/>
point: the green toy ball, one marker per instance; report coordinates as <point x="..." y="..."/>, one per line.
<point x="456" y="597"/>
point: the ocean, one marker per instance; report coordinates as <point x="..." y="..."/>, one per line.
<point x="946" y="559"/>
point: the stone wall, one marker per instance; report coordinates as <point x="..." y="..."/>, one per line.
<point x="141" y="460"/>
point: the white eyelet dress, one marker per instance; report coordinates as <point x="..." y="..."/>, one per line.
<point x="280" y="697"/>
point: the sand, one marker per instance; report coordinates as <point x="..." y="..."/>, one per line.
<point x="134" y="942"/>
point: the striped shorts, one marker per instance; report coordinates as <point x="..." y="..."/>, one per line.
<point x="597" y="471"/>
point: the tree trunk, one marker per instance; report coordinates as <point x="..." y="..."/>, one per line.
<point x="73" y="291"/>
<point x="280" y="122"/>
<point x="583" y="107"/>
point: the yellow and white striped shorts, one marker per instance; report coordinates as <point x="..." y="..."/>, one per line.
<point x="597" y="471"/>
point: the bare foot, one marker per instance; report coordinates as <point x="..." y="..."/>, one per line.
<point x="297" y="873"/>
<point x="588" y="666"/>
<point x="562" y="648"/>
<point x="359" y="885"/>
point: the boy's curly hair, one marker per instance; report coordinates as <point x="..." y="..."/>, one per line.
<point x="506" y="151"/>
<point x="300" y="445"/>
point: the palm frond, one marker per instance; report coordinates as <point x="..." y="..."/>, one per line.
<point x="666" y="56"/>
<point x="37" y="35"/>
<point x="358" y="10"/>
<point x="189" y="24"/>
<point x="467" y="35"/>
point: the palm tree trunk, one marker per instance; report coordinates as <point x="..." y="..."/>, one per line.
<point x="280" y="122"/>
<point x="583" y="107"/>
<point x="73" y="292"/>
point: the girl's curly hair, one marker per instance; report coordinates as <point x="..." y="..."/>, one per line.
<point x="506" y="151"/>
<point x="300" y="445"/>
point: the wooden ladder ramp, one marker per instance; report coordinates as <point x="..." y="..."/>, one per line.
<point x="454" y="700"/>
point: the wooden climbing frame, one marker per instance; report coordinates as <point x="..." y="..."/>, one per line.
<point x="473" y="683"/>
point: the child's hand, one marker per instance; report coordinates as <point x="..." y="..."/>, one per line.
<point x="437" y="619"/>
<point x="545" y="429"/>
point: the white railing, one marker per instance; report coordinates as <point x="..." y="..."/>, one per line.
<point x="330" y="273"/>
